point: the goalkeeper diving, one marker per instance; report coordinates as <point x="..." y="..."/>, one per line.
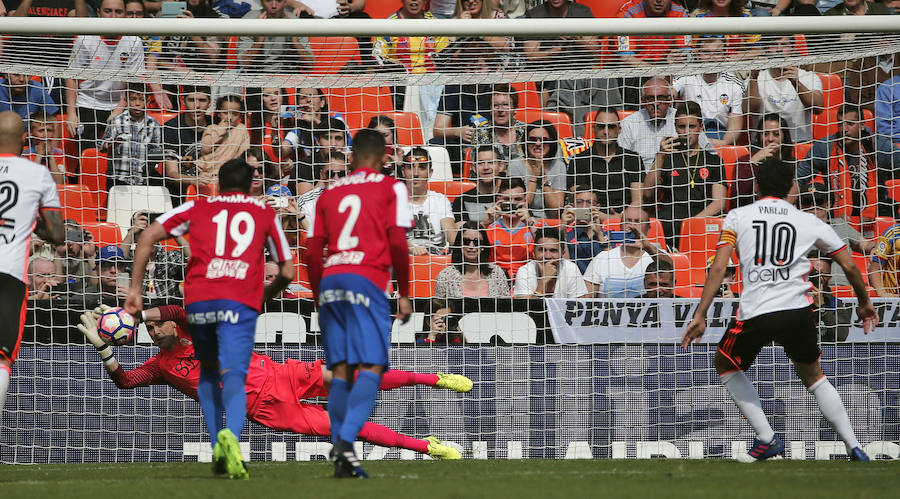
<point x="274" y="390"/>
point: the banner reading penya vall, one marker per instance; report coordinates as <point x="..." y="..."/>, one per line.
<point x="580" y="321"/>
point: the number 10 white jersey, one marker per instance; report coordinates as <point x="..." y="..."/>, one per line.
<point x="772" y="238"/>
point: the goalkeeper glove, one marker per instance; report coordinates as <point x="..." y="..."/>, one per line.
<point x="88" y="328"/>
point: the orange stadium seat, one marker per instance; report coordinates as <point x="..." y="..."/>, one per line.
<point x="729" y="156"/>
<point x="825" y="123"/>
<point x="105" y="233"/>
<point x="451" y="188"/>
<point x="589" y="125"/>
<point x="882" y="224"/>
<point x="354" y="103"/>
<point x="78" y="203"/>
<point x="407" y="127"/>
<point x="380" y="9"/>
<point x="656" y="235"/>
<point x="93" y="176"/>
<point x="467" y="164"/>
<point x="161" y="116"/>
<point x="698" y="241"/>
<point x="529" y="98"/>
<point x="869" y="120"/>
<point x="684" y="286"/>
<point x="332" y="53"/>
<point x="561" y="121"/>
<point x="424" y="270"/>
<point x="193" y="193"/>
<point x="604" y="8"/>
<point x="231" y="52"/>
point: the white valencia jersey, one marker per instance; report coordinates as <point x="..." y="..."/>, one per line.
<point x="25" y="188"/>
<point x="772" y="238"/>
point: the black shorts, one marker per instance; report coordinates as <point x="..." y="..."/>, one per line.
<point x="795" y="330"/>
<point x="12" y="315"/>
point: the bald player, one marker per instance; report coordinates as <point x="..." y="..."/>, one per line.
<point x="28" y="201"/>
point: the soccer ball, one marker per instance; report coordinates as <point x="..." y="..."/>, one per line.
<point x="116" y="326"/>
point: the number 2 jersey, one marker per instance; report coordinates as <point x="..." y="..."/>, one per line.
<point x="353" y="216"/>
<point x="772" y="238"/>
<point x="25" y="188"/>
<point x="228" y="235"/>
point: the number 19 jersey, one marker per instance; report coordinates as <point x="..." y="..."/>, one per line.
<point x="772" y="238"/>
<point x="353" y="216"/>
<point x="228" y="235"/>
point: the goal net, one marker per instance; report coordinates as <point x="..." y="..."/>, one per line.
<point x="557" y="255"/>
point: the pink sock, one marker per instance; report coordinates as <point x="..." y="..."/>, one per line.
<point x="396" y="378"/>
<point x="386" y="437"/>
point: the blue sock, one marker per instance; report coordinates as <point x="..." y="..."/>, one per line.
<point x="210" y="396"/>
<point x="360" y="404"/>
<point x="234" y="395"/>
<point x="337" y="406"/>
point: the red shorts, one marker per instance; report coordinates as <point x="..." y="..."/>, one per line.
<point x="279" y="405"/>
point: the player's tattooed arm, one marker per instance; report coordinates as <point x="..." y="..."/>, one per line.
<point x="50" y="226"/>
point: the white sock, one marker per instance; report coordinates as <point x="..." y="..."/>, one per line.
<point x="746" y="398"/>
<point x="834" y="411"/>
<point x="4" y="384"/>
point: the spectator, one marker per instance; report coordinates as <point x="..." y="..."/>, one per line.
<point x="772" y="140"/>
<point x="50" y="8"/>
<point x="153" y="45"/>
<point x="579" y="97"/>
<point x="855" y="162"/>
<point x="560" y="52"/>
<point x="165" y="272"/>
<point x="686" y="181"/>
<point x="833" y="317"/>
<point x="504" y="46"/>
<point x="274" y="54"/>
<point x="471" y="273"/>
<point x="612" y="172"/>
<point x="53" y="48"/>
<point x="659" y="280"/>
<point x="550" y="274"/>
<point x="112" y="278"/>
<point x="720" y="95"/>
<point x="858" y="8"/>
<point x="388" y="129"/>
<point x="133" y="141"/>
<point x="433" y="224"/>
<point x="186" y="53"/>
<point x="883" y="267"/>
<point x="887" y="108"/>
<point x="643" y="130"/>
<point x="791" y="92"/>
<point x="42" y="279"/>
<point x="619" y="272"/>
<point x="308" y="115"/>
<point x="342" y="9"/>
<point x="282" y="200"/>
<point x="42" y="148"/>
<point x="461" y="112"/>
<point x="75" y="259"/>
<point x="254" y="158"/>
<point x="415" y="53"/>
<point x="726" y="289"/>
<point x="334" y="166"/>
<point x="796" y="8"/>
<point x="504" y="132"/>
<point x="225" y="140"/>
<point x="89" y="103"/>
<point x="736" y="46"/>
<point x="816" y="199"/>
<point x="512" y="8"/>
<point x="472" y="204"/>
<point x="181" y="140"/>
<point x="270" y="272"/>
<point x="268" y="130"/>
<point x="21" y="94"/>
<point x="648" y="50"/>
<point x="584" y="222"/>
<point x="330" y="136"/>
<point x="509" y="227"/>
<point x="542" y="169"/>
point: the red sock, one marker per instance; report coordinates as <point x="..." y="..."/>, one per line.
<point x="396" y="378"/>
<point x="386" y="437"/>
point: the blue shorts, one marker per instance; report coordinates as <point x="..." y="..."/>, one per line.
<point x="222" y="330"/>
<point x="355" y="318"/>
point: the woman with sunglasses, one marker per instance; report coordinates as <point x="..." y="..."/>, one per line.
<point x="542" y="169"/>
<point x="432" y="214"/>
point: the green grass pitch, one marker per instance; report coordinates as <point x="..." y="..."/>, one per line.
<point x="650" y="479"/>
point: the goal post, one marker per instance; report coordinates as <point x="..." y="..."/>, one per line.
<point x="525" y="104"/>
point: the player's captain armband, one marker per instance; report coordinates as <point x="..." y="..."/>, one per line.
<point x="727" y="237"/>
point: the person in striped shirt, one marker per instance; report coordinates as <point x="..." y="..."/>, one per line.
<point x="134" y="141"/>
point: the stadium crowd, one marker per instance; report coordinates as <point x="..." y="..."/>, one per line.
<point x="566" y="188"/>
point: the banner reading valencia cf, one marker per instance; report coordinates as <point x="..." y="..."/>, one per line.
<point x="580" y="321"/>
